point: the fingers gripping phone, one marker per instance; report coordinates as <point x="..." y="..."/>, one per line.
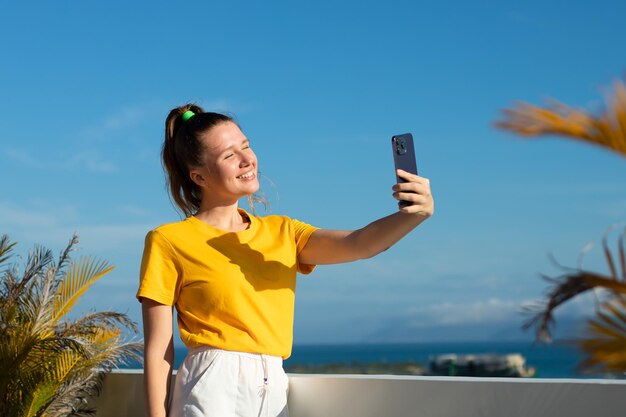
<point x="404" y="157"/>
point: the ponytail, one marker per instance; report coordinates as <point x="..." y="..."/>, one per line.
<point x="182" y="150"/>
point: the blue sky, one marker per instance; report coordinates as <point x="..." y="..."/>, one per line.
<point x="319" y="88"/>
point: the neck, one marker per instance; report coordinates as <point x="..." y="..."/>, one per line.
<point x="223" y="217"/>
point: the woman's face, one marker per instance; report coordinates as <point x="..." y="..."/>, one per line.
<point x="229" y="171"/>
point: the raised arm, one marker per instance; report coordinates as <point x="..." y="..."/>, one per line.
<point x="338" y="246"/>
<point x="158" y="355"/>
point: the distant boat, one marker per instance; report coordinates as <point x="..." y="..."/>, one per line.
<point x="487" y="365"/>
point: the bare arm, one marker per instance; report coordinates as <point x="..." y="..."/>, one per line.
<point x="158" y="355"/>
<point x="338" y="246"/>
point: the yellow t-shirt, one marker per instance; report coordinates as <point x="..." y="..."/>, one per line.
<point x="232" y="290"/>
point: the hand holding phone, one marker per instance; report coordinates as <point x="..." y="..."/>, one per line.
<point x="404" y="157"/>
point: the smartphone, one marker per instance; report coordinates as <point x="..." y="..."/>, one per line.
<point x="404" y="157"/>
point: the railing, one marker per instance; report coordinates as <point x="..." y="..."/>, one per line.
<point x="399" y="396"/>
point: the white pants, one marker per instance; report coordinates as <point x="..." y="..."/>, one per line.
<point x="219" y="383"/>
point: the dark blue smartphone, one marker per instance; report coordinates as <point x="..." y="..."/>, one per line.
<point x="404" y="157"/>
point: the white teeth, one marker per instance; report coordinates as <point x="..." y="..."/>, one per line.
<point x="247" y="175"/>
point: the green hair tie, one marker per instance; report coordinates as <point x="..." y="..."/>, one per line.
<point x="188" y="115"/>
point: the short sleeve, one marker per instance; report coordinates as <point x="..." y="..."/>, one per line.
<point x="302" y="232"/>
<point x="160" y="270"/>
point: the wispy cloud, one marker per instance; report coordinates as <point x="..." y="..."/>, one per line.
<point x="12" y="215"/>
<point x="22" y="157"/>
<point x="53" y="226"/>
<point x="615" y="210"/>
<point x="125" y="117"/>
<point x="493" y="310"/>
<point x="92" y="161"/>
<point x="120" y="120"/>
<point x="490" y="311"/>
<point x="132" y="116"/>
<point x="130" y="210"/>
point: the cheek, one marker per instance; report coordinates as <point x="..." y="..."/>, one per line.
<point x="226" y="170"/>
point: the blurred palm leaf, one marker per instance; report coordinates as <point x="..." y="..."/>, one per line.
<point x="606" y="129"/>
<point x="604" y="344"/>
<point x="52" y="365"/>
<point x="606" y="349"/>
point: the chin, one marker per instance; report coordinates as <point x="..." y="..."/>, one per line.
<point x="251" y="188"/>
<point x="255" y="189"/>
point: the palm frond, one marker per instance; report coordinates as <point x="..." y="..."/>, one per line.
<point x="622" y="254"/>
<point x="17" y="289"/>
<point x="38" y="306"/>
<point x="5" y="248"/>
<point x="51" y="365"/>
<point x="31" y="357"/>
<point x="79" y="277"/>
<point x="94" y="321"/>
<point x="607" y="129"/>
<point x="38" y="260"/>
<point x="565" y="288"/>
<point x="605" y="346"/>
<point x="64" y="258"/>
<point x="59" y="368"/>
<point x="608" y="256"/>
<point x="85" y="380"/>
<point x="73" y="397"/>
<point x="604" y="342"/>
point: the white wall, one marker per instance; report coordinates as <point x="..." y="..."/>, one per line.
<point x="396" y="396"/>
<point x="321" y="396"/>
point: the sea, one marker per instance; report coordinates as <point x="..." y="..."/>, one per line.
<point x="556" y="360"/>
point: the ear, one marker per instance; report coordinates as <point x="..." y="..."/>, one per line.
<point x="198" y="178"/>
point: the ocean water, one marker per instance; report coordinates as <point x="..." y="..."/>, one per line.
<point x="550" y="361"/>
<point x="557" y="360"/>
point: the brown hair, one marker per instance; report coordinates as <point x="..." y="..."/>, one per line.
<point x="182" y="150"/>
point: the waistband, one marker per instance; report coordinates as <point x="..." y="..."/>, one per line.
<point x="255" y="356"/>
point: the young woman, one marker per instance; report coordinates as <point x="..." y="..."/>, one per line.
<point x="231" y="275"/>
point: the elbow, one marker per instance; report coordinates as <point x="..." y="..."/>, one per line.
<point x="365" y="247"/>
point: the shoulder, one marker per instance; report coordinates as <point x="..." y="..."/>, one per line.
<point x="171" y="227"/>
<point x="170" y="231"/>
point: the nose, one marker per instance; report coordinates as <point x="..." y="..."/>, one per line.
<point x="246" y="159"/>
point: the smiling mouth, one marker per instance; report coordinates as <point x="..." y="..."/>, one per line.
<point x="247" y="176"/>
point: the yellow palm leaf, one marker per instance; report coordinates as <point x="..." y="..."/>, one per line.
<point x="105" y="337"/>
<point x="607" y="129"/>
<point x="80" y="276"/>
<point x="605" y="345"/>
